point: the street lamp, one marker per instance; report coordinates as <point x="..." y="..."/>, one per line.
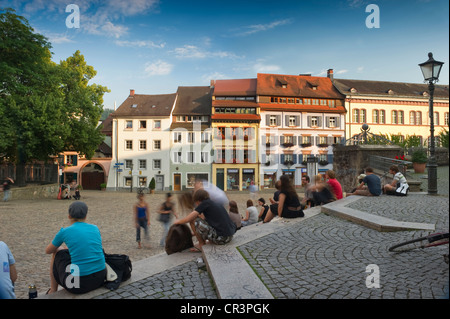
<point x="430" y="70"/>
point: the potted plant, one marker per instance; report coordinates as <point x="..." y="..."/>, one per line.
<point x="152" y="185"/>
<point x="102" y="186"/>
<point x="419" y="159"/>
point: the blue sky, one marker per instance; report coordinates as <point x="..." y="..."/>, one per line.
<point x="154" y="46"/>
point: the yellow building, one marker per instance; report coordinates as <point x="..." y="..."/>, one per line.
<point x="235" y="122"/>
<point x="393" y="108"/>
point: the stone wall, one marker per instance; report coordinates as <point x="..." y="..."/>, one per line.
<point x="348" y="160"/>
<point x="35" y="192"/>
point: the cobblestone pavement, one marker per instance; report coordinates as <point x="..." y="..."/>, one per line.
<point x="320" y="257"/>
<point x="326" y="257"/>
<point x="183" y="282"/>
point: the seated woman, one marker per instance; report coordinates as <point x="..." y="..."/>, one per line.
<point x="398" y="181"/>
<point x="80" y="268"/>
<point x="251" y="214"/>
<point x="289" y="205"/>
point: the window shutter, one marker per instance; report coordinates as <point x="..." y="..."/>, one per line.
<point x="267" y="120"/>
<point x="278" y="120"/>
<point x="282" y="158"/>
<point x="309" y="121"/>
<point x="297" y="120"/>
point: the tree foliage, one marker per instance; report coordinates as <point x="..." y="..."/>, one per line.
<point x="45" y="107"/>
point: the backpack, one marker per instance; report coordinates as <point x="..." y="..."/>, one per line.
<point x="121" y="265"/>
<point x="178" y="239"/>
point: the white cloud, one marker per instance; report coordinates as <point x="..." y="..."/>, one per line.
<point x="255" y="28"/>
<point x="341" y="71"/>
<point x="265" y="68"/>
<point x="158" y="68"/>
<point x="192" y="51"/>
<point x="139" y="44"/>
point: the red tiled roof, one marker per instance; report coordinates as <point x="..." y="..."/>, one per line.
<point x="237" y="87"/>
<point x="296" y="86"/>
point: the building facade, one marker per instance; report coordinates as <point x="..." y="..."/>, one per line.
<point x="141" y="142"/>
<point x="235" y="124"/>
<point x="300" y="116"/>
<point x="393" y="108"/>
<point x="191" y="137"/>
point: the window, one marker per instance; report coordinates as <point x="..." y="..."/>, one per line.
<point x="142" y="181"/>
<point x="177" y="157"/>
<point x="157" y="145"/>
<point x="412" y="117"/>
<point x="177" y="137"/>
<point x="362" y="116"/>
<point x="292" y="120"/>
<point x="143" y="124"/>
<point x="382" y="117"/>
<point x="204" y="157"/>
<point x="156" y="164"/>
<point x="129" y="145"/>
<point x="314" y="121"/>
<point x="128" y="164"/>
<point x="191" y="137"/>
<point x="129" y="124"/>
<point x="333" y="121"/>
<point x="418" y="118"/>
<point x="446" y="118"/>
<point x="401" y="117"/>
<point x="394" y="118"/>
<point x="376" y="116"/>
<point x="206" y="137"/>
<point x="190" y="157"/>
<point x="355" y="116"/>
<point x="436" y="118"/>
<point x="142" y="164"/>
<point x="273" y="120"/>
<point x="157" y="124"/>
<point x="142" y="145"/>
<point x="331" y="103"/>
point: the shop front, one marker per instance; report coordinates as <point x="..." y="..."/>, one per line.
<point x="235" y="177"/>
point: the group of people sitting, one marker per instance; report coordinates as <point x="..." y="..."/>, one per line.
<point x="208" y="217"/>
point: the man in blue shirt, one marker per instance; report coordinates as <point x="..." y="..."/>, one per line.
<point x="370" y="186"/>
<point x="81" y="267"/>
<point x="8" y="273"/>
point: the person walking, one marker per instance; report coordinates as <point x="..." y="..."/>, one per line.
<point x="167" y="208"/>
<point x="141" y="215"/>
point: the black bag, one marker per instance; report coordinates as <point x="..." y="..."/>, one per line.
<point x="178" y="239"/>
<point x="121" y="264"/>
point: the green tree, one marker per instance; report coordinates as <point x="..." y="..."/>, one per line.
<point x="45" y="108"/>
<point x="83" y="105"/>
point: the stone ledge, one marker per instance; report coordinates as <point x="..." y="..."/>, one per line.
<point x="240" y="281"/>
<point x="141" y="269"/>
<point x="379" y="223"/>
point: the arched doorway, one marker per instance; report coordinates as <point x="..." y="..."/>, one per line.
<point x="92" y="175"/>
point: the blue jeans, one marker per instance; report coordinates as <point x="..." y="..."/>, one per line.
<point x="166" y="226"/>
<point x="142" y="223"/>
<point x="6" y="195"/>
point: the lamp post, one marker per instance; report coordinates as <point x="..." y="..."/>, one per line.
<point x="430" y="70"/>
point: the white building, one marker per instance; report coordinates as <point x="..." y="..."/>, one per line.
<point x="141" y="142"/>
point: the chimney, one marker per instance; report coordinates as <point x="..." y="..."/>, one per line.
<point x="330" y="74"/>
<point x="212" y="84"/>
<point x="131" y="92"/>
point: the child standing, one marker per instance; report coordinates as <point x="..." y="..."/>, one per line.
<point x="141" y="218"/>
